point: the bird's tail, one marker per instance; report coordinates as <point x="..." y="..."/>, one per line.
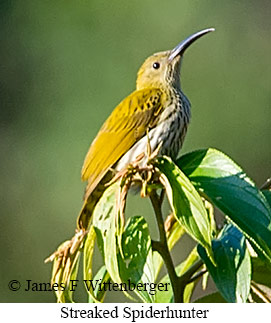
<point x="71" y="247"/>
<point x="90" y="202"/>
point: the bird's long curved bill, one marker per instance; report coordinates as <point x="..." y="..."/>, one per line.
<point x="182" y="46"/>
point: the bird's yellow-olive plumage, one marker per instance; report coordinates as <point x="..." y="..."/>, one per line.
<point x="157" y="106"/>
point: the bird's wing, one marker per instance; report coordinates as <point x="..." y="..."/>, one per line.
<point x="126" y="125"/>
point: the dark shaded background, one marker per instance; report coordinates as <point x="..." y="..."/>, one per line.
<point x="65" y="65"/>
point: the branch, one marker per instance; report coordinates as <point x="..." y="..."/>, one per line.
<point x="161" y="247"/>
<point x="178" y="283"/>
<point x="186" y="277"/>
<point x="197" y="275"/>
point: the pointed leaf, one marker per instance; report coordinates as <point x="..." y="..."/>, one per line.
<point x="230" y="189"/>
<point x="88" y="255"/>
<point x="101" y="277"/>
<point x="232" y="273"/>
<point x="104" y="221"/>
<point x="185" y="202"/>
<point x="137" y="265"/>
<point x="68" y="293"/>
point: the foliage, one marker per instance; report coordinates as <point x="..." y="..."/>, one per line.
<point x="236" y="256"/>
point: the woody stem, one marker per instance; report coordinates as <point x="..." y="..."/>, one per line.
<point x="161" y="247"/>
<point x="178" y="283"/>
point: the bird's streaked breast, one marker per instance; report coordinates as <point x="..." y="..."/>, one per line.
<point x="170" y="130"/>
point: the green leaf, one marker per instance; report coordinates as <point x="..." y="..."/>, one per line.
<point x="101" y="277"/>
<point x="167" y="296"/>
<point x="137" y="265"/>
<point x="88" y="255"/>
<point x="185" y="202"/>
<point x="232" y="273"/>
<point x="216" y="176"/>
<point x="204" y="282"/>
<point x="104" y="222"/>
<point x="68" y="293"/>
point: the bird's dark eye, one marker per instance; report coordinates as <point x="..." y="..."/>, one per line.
<point x="156" y="65"/>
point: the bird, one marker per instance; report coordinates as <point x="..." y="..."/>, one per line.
<point x="157" y="112"/>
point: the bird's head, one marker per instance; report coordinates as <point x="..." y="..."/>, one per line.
<point x="163" y="68"/>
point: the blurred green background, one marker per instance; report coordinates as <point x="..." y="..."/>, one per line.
<point x="66" y="64"/>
